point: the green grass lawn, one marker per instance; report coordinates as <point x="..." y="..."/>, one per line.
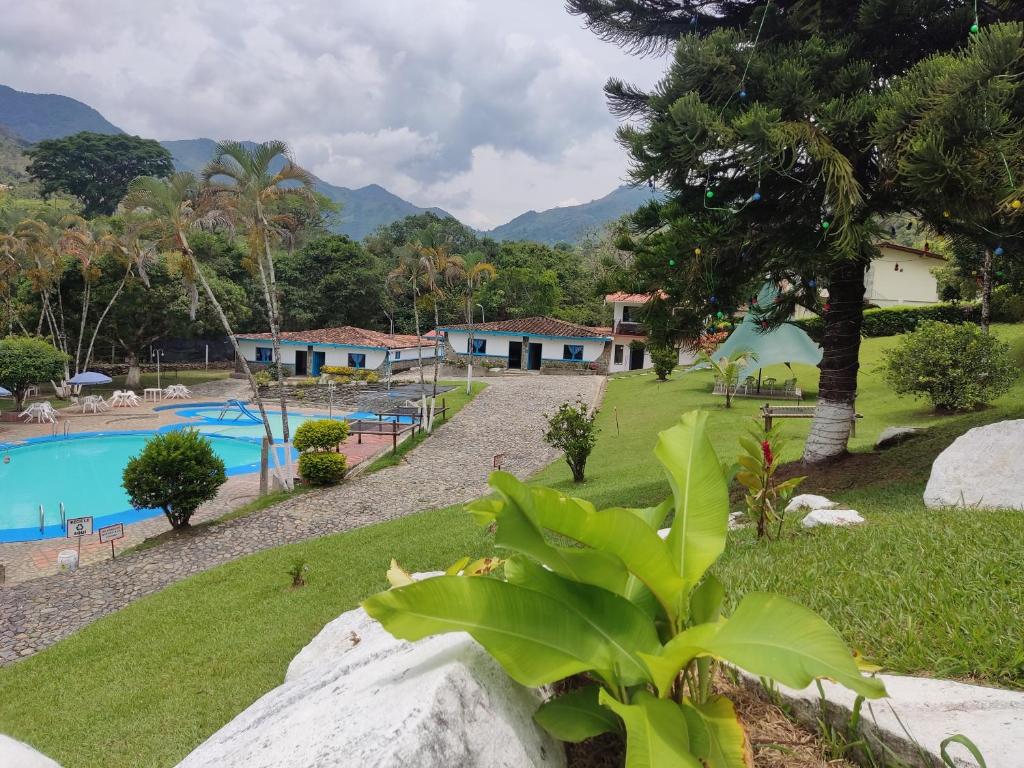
<point x="915" y="590"/>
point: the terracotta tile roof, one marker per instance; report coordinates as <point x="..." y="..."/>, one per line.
<point x="908" y="249"/>
<point x="346" y="334"/>
<point x="631" y="298"/>
<point x="537" y="326"/>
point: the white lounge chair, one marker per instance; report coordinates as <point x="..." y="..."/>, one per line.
<point x="177" y="392"/>
<point x="40" y="412"/>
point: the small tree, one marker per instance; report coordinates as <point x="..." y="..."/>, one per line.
<point x="26" y="361"/>
<point x="728" y="370"/>
<point x="957" y="367"/>
<point x="766" y="497"/>
<point x="572" y="431"/>
<point x="176" y="472"/>
<point x="665" y="360"/>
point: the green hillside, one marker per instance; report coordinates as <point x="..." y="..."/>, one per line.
<point x="37" y="116"/>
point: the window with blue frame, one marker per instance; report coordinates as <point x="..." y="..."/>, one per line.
<point x="356" y="360"/>
<point x="264" y="355"/>
<point x="479" y="346"/>
<point x="572" y="352"/>
<point x="398" y="354"/>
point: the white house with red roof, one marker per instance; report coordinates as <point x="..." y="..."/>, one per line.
<point x="304" y="353"/>
<point x="629" y="334"/>
<point x="531" y="344"/>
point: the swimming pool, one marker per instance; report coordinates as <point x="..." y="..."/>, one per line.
<point x="84" y="472"/>
<point x="207" y="419"/>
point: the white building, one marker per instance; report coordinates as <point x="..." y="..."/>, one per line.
<point x="304" y="353"/>
<point x="902" y="275"/>
<point x="531" y="344"/>
<point x="629" y="335"/>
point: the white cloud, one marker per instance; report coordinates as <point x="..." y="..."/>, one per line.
<point x="486" y="109"/>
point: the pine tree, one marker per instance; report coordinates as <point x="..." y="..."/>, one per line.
<point x="762" y="131"/>
<point x="951" y="134"/>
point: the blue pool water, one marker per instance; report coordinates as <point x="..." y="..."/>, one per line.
<point x="207" y="419"/>
<point x="85" y="474"/>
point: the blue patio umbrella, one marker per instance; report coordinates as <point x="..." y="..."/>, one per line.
<point x="89" y="377"/>
<point x="5" y="392"/>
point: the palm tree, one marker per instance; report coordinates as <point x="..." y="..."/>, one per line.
<point x="728" y="370"/>
<point x="175" y="211"/>
<point x="473" y="272"/>
<point x="252" y="194"/>
<point x="440" y="271"/>
<point x="409" y="275"/>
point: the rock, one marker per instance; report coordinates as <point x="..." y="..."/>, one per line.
<point x="356" y="696"/>
<point x="736" y="520"/>
<point x="930" y="710"/>
<point x="809" y="501"/>
<point x="982" y="468"/>
<point x="67" y="561"/>
<point x="15" y="754"/>
<point x="895" y="435"/>
<point x="832" y="517"/>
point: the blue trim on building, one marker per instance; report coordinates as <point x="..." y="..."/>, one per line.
<point x="315" y="344"/>
<point x="520" y="335"/>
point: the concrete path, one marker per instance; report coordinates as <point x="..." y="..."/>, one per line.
<point x="450" y="467"/>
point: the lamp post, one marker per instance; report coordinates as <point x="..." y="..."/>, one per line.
<point x="158" y="353"/>
<point x="483" y="319"/>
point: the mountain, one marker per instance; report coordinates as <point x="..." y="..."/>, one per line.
<point x="571" y="223"/>
<point x="363" y="210"/>
<point x="38" y="116"/>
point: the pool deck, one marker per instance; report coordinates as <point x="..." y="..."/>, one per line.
<point x="31" y="559"/>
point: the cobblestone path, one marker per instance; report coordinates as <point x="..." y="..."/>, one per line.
<point x="450" y="467"/>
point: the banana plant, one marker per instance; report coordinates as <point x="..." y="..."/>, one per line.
<point x="599" y="595"/>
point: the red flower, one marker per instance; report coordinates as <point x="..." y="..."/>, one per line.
<point x="766" y="449"/>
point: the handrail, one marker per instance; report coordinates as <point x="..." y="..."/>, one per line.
<point x="63" y="518"/>
<point x="42" y="519"/>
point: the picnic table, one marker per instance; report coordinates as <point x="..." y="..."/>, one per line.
<point x="360" y="427"/>
<point x="771" y="412"/>
<point x="413" y="412"/>
<point x="152" y="393"/>
<point x="40" y="412"/>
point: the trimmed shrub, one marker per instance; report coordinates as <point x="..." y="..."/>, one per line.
<point x="891" y="321"/>
<point x="319" y="468"/>
<point x="957" y="367"/>
<point x="665" y="360"/>
<point x="175" y="472"/>
<point x="320" y="435"/>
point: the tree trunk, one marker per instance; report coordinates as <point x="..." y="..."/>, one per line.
<point x="87" y="293"/>
<point x="837" y="388"/>
<point x="134" y="380"/>
<point x="419" y="343"/>
<point x="270" y="286"/>
<point x="103" y="316"/>
<point x="986" y="290"/>
<point x="469" y="343"/>
<point x="437" y="361"/>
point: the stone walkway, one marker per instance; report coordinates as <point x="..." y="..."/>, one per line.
<point x="450" y="467"/>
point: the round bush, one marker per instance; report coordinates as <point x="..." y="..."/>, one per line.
<point x="957" y="367"/>
<point x="322" y="468"/>
<point x="665" y="359"/>
<point x="175" y="472"/>
<point x="320" y="435"/>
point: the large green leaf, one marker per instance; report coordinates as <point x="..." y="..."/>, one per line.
<point x="771" y="636"/>
<point x="518" y="529"/>
<point x="531" y="634"/>
<point x="728" y="746"/>
<point x="698" y="532"/>
<point x="576" y="715"/>
<point x="626" y="629"/>
<point x="620" y="533"/>
<point x="656" y="732"/>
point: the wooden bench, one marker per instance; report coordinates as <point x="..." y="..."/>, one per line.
<point x="771" y="412"/>
<point x="394" y="429"/>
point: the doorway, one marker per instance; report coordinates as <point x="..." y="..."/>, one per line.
<point x="515" y="355"/>
<point x="319" y="358"/>
<point x="533" y="358"/>
<point x="636" y="358"/>
<point x="301" y="358"/>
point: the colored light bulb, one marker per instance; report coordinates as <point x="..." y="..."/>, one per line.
<point x="743" y="94"/>
<point x="697" y="251"/>
<point x="975" y="27"/>
<point x="811" y="283"/>
<point x="825" y="224"/>
<point x="671" y="262"/>
<point x="999" y="250"/>
<point x="1015" y="205"/>
<point x="756" y="197"/>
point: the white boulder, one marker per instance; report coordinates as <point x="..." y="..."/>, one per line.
<point x="809" y="501"/>
<point x="356" y="696"/>
<point x="891" y="436"/>
<point x="67" y="561"/>
<point x="982" y="468"/>
<point x="831" y="517"/>
<point x="15" y="754"/>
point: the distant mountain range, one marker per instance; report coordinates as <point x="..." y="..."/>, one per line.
<point x="26" y="118"/>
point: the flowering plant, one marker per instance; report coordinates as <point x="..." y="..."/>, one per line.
<point x="766" y="497"/>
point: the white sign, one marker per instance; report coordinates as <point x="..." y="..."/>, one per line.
<point x="111" y="533"/>
<point x="79" y="526"/>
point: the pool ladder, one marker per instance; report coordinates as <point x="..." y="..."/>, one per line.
<point x="63" y="519"/>
<point x="53" y="429"/>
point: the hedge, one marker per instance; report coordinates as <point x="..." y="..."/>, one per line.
<point x="890" y="321"/>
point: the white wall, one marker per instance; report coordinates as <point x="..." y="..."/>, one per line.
<point x="914" y="283"/>
<point x="497" y="346"/>
<point x="333" y="355"/>
<point x="685" y="358"/>
<point x="551" y="348"/>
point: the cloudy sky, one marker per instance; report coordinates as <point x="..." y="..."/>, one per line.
<point x="485" y="108"/>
